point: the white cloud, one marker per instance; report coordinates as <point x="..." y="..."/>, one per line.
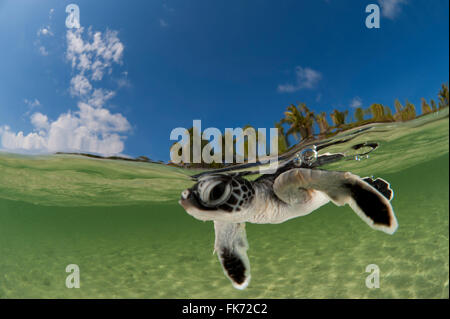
<point x="45" y="31"/>
<point x="306" y="78"/>
<point x="32" y="103"/>
<point x="91" y="58"/>
<point x="356" y="102"/>
<point x="92" y="128"/>
<point x="89" y="129"/>
<point x="287" y="88"/>
<point x="80" y="85"/>
<point x="123" y="81"/>
<point x="391" y="8"/>
<point x="43" y="51"/>
<point x="19" y="142"/>
<point x="39" y="121"/>
<point x="95" y="55"/>
<point x="100" y="96"/>
<point x="163" y="23"/>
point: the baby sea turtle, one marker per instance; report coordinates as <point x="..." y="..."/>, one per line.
<point x="230" y="201"/>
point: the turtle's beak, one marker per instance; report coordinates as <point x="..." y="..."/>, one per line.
<point x="185" y="194"/>
<point x="184" y="201"/>
<point x="192" y="206"/>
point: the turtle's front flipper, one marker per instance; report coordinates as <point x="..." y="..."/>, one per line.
<point x="381" y="185"/>
<point x="231" y="247"/>
<point x="346" y="188"/>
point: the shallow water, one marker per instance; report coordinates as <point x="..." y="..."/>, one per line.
<point x="121" y="224"/>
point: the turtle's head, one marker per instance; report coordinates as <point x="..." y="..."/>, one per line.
<point x="215" y="196"/>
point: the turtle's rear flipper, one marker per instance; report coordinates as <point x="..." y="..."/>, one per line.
<point x="346" y="188"/>
<point x="231" y="247"/>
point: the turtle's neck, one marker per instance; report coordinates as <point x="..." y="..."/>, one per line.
<point x="271" y="210"/>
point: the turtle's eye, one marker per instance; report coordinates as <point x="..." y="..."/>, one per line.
<point x="214" y="192"/>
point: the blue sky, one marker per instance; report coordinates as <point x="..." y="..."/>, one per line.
<point x="136" y="70"/>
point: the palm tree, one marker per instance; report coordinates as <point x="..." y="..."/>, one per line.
<point x="388" y="114"/>
<point x="410" y="110"/>
<point x="443" y="96"/>
<point x="309" y="120"/>
<point x="398" y="111"/>
<point x="433" y="105"/>
<point x="283" y="143"/>
<point x="300" y="121"/>
<point x="359" y="115"/>
<point x="339" y="118"/>
<point x="321" y="120"/>
<point x="377" y="111"/>
<point x="425" y="107"/>
<point x="404" y="113"/>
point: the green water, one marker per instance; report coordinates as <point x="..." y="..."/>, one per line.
<point x="121" y="224"/>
